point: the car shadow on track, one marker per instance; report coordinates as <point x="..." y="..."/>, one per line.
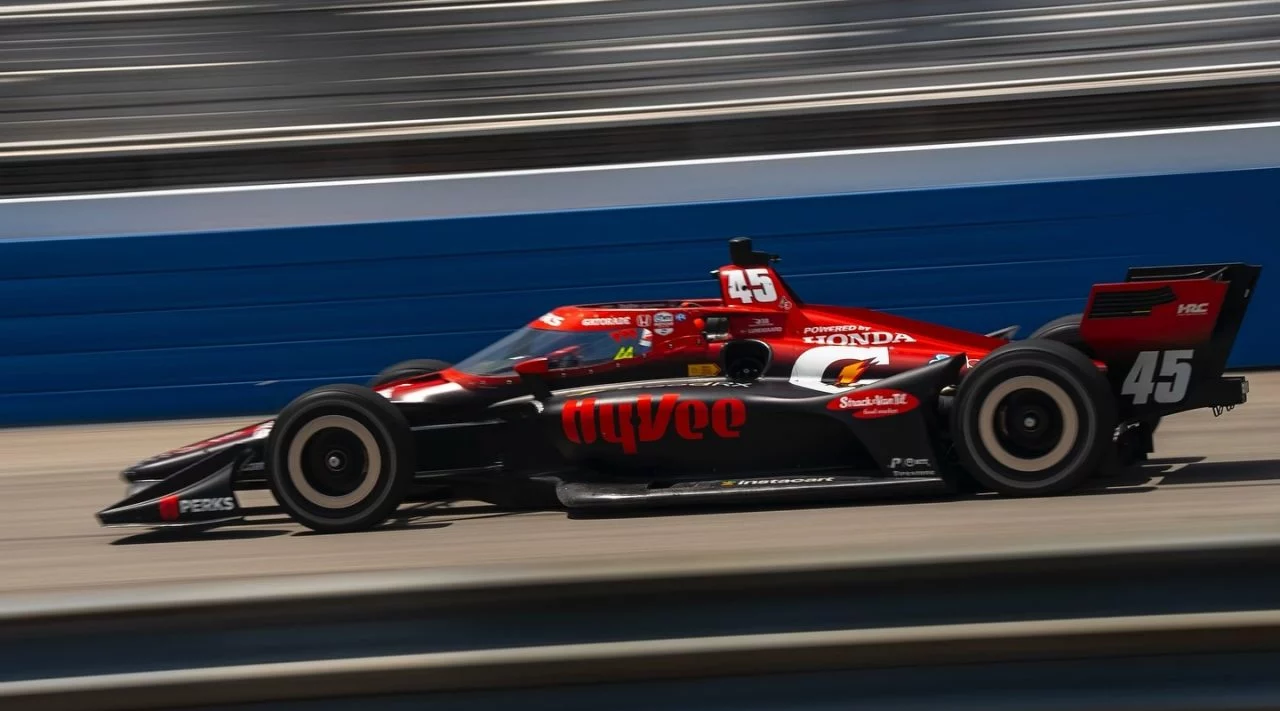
<point x="1175" y="471"/>
<point x="1147" y="477"/>
<point x="733" y="507"/>
<point x="180" y="535"/>
<point x="416" y="516"/>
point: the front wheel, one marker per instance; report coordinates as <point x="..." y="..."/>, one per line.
<point x="1034" y="418"/>
<point x="407" y="369"/>
<point x="340" y="458"/>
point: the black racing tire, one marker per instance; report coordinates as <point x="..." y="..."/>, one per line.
<point x="340" y="458"/>
<point x="408" y="369"/>
<point x="1064" y="329"/>
<point x="1034" y="418"/>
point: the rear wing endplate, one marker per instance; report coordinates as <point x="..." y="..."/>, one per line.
<point x="1166" y="334"/>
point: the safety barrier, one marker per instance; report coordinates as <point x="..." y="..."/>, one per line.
<point x="109" y="324"/>
<point x="1160" y="624"/>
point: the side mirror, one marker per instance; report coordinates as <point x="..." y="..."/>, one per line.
<point x="534" y="366"/>
<point x="563" y="358"/>
<point x="531" y="373"/>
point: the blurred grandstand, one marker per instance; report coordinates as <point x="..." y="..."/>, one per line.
<point x="122" y="94"/>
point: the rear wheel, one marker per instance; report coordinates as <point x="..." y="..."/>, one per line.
<point x="407" y="369"/>
<point x="1136" y="439"/>
<point x="1064" y="329"/>
<point x="1034" y="418"/>
<point x="340" y="458"/>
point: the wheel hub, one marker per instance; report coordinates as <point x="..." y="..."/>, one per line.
<point x="334" y="461"/>
<point x="1029" y="423"/>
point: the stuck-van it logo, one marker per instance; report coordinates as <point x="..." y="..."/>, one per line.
<point x="628" y="423"/>
<point x="881" y="402"/>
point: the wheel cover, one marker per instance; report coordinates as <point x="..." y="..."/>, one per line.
<point x="1004" y="444"/>
<point x="327" y="469"/>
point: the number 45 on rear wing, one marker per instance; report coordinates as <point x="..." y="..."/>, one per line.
<point x="1165" y="334"/>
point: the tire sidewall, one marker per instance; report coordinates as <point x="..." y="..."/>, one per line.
<point x="407" y="369"/>
<point x="387" y="429"/>
<point x="1085" y="389"/>
<point x="1064" y="329"/>
<point x="1068" y="325"/>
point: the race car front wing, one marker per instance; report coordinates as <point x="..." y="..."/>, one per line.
<point x="198" y="495"/>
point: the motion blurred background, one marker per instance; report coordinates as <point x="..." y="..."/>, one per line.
<point x="127" y="94"/>
<point x="420" y="245"/>
<point x="164" y="256"/>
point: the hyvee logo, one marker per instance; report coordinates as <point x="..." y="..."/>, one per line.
<point x="868" y="404"/>
<point x="1193" y="309"/>
<point x="626" y="423"/>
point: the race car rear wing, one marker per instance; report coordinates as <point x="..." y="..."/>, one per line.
<point x="1166" y="333"/>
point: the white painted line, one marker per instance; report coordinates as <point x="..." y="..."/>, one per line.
<point x="114" y="13"/>
<point x="457" y="177"/>
<point x="96" y="4"/>
<point x="1155" y="9"/>
<point x="138" y="68"/>
<point x="547" y="118"/>
<point x="450" y="7"/>
<point x="721" y="42"/>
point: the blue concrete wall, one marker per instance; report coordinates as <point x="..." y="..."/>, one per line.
<point x="180" y="325"/>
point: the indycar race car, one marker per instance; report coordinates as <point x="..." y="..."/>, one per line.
<point x="755" y="395"/>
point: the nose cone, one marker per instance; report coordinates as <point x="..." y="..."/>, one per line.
<point x="168" y="463"/>
<point x="159" y="467"/>
<point x="201" y="494"/>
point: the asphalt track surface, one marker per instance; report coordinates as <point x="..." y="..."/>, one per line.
<point x="1210" y="477"/>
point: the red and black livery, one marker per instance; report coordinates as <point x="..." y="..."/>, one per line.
<point x="753" y="395"/>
